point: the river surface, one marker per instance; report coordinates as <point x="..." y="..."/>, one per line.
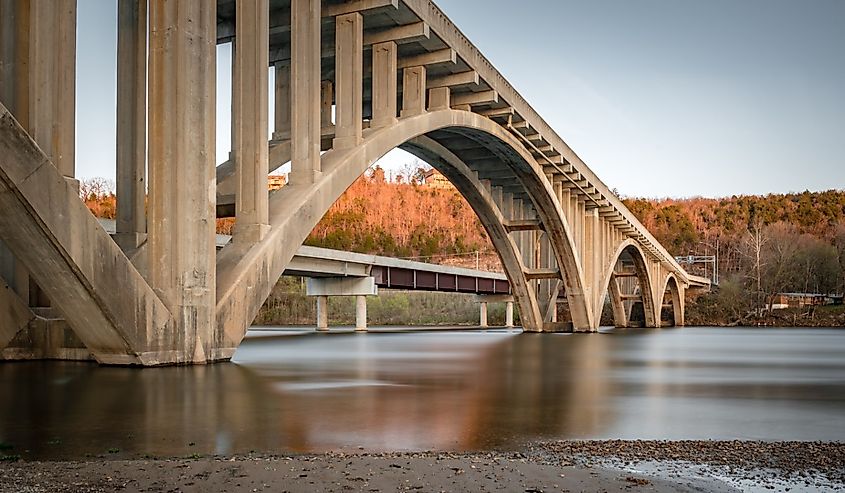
<point x="295" y="391"/>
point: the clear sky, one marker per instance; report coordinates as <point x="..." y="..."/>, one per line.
<point x="659" y="97"/>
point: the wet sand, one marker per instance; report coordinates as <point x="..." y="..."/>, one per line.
<point x="548" y="466"/>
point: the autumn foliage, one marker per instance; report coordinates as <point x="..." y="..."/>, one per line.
<point x="400" y="220"/>
<point x="683" y="225"/>
<point x="407" y="219"/>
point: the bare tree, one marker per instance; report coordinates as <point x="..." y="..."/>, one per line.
<point x="839" y="243"/>
<point x="780" y="259"/>
<point x="753" y="243"/>
<point x="95" y="188"/>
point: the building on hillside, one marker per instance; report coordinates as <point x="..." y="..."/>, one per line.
<point x="275" y="182"/>
<point x="800" y="300"/>
<point x="434" y="179"/>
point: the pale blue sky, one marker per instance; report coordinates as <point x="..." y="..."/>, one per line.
<point x="659" y="97"/>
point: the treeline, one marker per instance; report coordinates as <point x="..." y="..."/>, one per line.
<point x="765" y="244"/>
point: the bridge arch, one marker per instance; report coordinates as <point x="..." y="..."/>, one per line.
<point x="622" y="318"/>
<point x="246" y="274"/>
<point x="676" y="300"/>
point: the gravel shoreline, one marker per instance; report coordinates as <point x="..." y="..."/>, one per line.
<point x="611" y="465"/>
<point x="787" y="457"/>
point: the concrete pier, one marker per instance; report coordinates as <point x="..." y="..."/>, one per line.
<point x="322" y="313"/>
<point x="361" y="313"/>
<point x="181" y="208"/>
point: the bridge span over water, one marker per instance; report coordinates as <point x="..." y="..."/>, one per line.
<point x="353" y="80"/>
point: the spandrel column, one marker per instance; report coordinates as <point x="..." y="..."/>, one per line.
<point x="252" y="60"/>
<point x="131" y="224"/>
<point x="305" y="94"/>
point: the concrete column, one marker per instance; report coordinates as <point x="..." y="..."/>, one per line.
<point x="282" y="111"/>
<point x="498" y="197"/>
<point x="349" y="74"/>
<point x="591" y="257"/>
<point x="482" y="314"/>
<point x="361" y="313"/>
<point x="182" y="171"/>
<point x="131" y="224"/>
<point x="384" y="85"/>
<point x="620" y="316"/>
<point x="38" y="84"/>
<point x="326" y="101"/>
<point x="573" y="220"/>
<point x="565" y="204"/>
<point x="305" y="93"/>
<point x="14" y="89"/>
<point x="64" y="87"/>
<point x="509" y="314"/>
<point x="251" y="100"/>
<point x="413" y="91"/>
<point x="235" y="118"/>
<point x="580" y="213"/>
<point x="506" y="208"/>
<point x="322" y="313"/>
<point x="42" y="58"/>
<point x="438" y="98"/>
<point x="9" y="26"/>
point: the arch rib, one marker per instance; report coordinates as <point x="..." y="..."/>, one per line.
<point x="671" y="283"/>
<point x="644" y="277"/>
<point x="246" y="274"/>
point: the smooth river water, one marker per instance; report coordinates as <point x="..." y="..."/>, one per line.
<point x="294" y="391"/>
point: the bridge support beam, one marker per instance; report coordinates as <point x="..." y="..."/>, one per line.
<point x="620" y="316"/>
<point x="250" y="117"/>
<point x="305" y="94"/>
<point x="483" y="302"/>
<point x="360" y="313"/>
<point x="322" y="313"/>
<point x="384" y="84"/>
<point x="182" y="172"/>
<point x="413" y="91"/>
<point x="282" y="114"/>
<point x="131" y="226"/>
<point x="359" y="287"/>
<point x="349" y="61"/>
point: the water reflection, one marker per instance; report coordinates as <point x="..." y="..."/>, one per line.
<point x="468" y="390"/>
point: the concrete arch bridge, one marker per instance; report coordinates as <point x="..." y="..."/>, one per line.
<point x="353" y="80"/>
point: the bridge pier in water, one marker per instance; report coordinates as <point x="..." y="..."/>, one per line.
<point x="159" y="292"/>
<point x="322" y="287"/>
<point x="483" y="303"/>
